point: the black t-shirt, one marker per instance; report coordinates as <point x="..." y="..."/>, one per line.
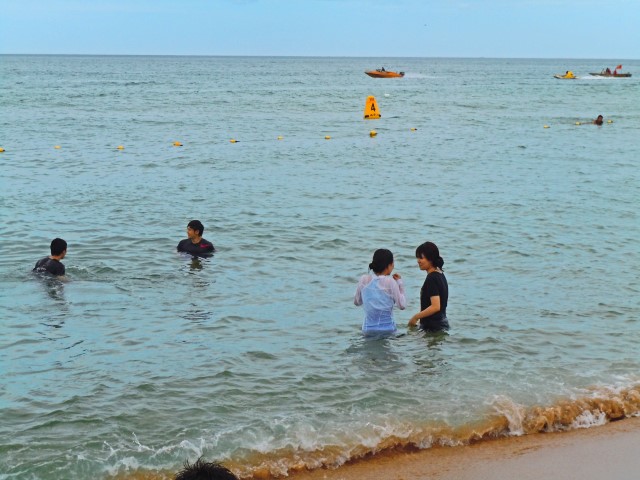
<point x="434" y="285"/>
<point x="203" y="247"/>
<point x="46" y="264"/>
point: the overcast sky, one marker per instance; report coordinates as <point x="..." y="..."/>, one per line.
<point x="375" y="28"/>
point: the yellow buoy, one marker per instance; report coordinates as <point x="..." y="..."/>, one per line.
<point x="57" y="147"/>
<point x="120" y="147"/>
<point x="233" y="140"/>
<point x="413" y="129"/>
<point x="177" y="144"/>
<point x="609" y="121"/>
<point x="327" y="137"/>
<point x="546" y="126"/>
<point x="279" y="137"/>
<point x="373" y="133"/>
<point x="371" y="111"/>
<point x="578" y="123"/>
<point x="1" y="149"/>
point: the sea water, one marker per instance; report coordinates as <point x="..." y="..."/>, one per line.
<point x="145" y="357"/>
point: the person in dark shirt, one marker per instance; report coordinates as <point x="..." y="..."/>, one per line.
<point x="599" y="120"/>
<point x="195" y="244"/>
<point x="434" y="293"/>
<point x="52" y="263"/>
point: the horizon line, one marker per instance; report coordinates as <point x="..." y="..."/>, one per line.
<point x="305" y="56"/>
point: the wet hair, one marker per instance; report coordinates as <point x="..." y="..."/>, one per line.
<point x="382" y="258"/>
<point x="58" y="246"/>
<point x="430" y="251"/>
<point x="196" y="225"/>
<point x="202" y="470"/>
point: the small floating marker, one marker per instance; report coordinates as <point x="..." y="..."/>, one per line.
<point x="120" y="147"/>
<point x="546" y="126"/>
<point x="327" y="137"/>
<point x="578" y="123"/>
<point x="233" y="140"/>
<point x="373" y="133"/>
<point x="1" y="149"/>
<point x="57" y="147"/>
<point x="413" y="129"/>
<point x="177" y="144"/>
<point x="279" y="137"/>
<point x="371" y="111"/>
<point x="609" y="121"/>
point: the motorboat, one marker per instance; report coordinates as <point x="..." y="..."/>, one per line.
<point x="611" y="74"/>
<point x="382" y="73"/>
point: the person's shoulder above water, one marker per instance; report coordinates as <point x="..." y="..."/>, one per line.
<point x="203" y="246"/>
<point x="194" y="243"/>
<point x="52" y="263"/>
<point x="49" y="265"/>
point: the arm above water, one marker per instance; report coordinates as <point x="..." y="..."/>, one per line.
<point x="364" y="281"/>
<point x="427" y="312"/>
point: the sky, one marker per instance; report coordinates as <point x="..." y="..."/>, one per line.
<point x="598" y="29"/>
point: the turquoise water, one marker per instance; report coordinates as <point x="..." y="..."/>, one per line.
<point x="145" y="358"/>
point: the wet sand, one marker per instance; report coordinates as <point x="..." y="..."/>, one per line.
<point x="611" y="451"/>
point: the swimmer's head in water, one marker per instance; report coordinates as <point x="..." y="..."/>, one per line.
<point x="202" y="470"/>
<point x="58" y="246"/>
<point x="430" y="251"/>
<point x="382" y="258"/>
<point x="197" y="226"/>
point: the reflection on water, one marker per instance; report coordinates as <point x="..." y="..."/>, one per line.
<point x="197" y="315"/>
<point x="55" y="289"/>
<point x="376" y="354"/>
<point x="199" y="280"/>
<point x="434" y="339"/>
<point x="429" y="361"/>
<point x="196" y="264"/>
<point x="56" y="313"/>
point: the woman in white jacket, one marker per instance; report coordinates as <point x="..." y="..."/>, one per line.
<point x="378" y="291"/>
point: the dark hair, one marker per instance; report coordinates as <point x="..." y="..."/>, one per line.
<point x="202" y="470"/>
<point x="58" y="246"/>
<point x="430" y="251"/>
<point x="382" y="258"/>
<point x="196" y="225"/>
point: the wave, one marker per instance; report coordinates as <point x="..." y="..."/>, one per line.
<point x="595" y="407"/>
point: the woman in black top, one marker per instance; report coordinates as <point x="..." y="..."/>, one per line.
<point x="434" y="293"/>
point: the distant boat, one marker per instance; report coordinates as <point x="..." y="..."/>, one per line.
<point x="609" y="73"/>
<point x="382" y="73"/>
<point x="604" y="73"/>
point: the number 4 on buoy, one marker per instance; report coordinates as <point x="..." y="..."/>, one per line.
<point x="371" y="111"/>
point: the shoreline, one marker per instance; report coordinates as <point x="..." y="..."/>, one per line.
<point x="608" y="451"/>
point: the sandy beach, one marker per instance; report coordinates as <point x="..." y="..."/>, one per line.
<point x="611" y="451"/>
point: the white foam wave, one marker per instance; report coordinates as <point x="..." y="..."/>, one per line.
<point x="588" y="420"/>
<point x="512" y="411"/>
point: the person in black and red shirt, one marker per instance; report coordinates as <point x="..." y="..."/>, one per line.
<point x="195" y="244"/>
<point x="52" y="263"/>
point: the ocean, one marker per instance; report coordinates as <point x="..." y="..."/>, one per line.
<point x="254" y="357"/>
